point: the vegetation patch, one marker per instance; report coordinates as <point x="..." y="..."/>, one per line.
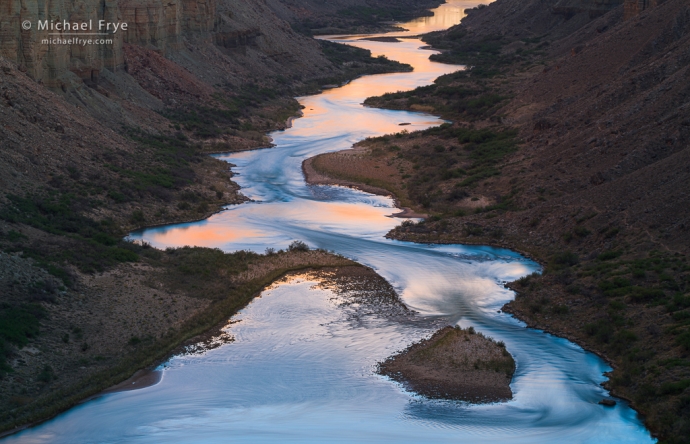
<point x="18" y="324"/>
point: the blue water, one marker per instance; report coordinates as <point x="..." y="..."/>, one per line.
<point x="300" y="370"/>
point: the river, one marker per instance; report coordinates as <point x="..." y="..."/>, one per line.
<point x="300" y="370"/>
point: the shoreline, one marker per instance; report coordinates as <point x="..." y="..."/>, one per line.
<point x="141" y="379"/>
<point x="313" y="177"/>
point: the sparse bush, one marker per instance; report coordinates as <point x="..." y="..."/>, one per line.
<point x="137" y="217"/>
<point x="561" y="309"/>
<point x="608" y="255"/>
<point x="684" y="340"/>
<point x="573" y="289"/>
<point x="674" y="388"/>
<point x="581" y="232"/>
<point x="601" y="330"/>
<point x="565" y="259"/>
<point x="473" y="230"/>
<point x="298" y="246"/>
<point x="46" y="374"/>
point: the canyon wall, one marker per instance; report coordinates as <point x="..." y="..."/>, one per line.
<point x="154" y="24"/>
<point x="173" y="52"/>
<point x="164" y="27"/>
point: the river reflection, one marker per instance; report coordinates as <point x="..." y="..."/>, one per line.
<point x="300" y="370"/>
<point x="447" y="15"/>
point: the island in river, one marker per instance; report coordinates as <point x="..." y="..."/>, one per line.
<point x="454" y="363"/>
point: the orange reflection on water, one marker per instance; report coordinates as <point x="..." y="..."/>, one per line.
<point x="350" y="214"/>
<point x="239" y="227"/>
<point x="347" y="216"/>
<point x="200" y="235"/>
<point x="447" y="15"/>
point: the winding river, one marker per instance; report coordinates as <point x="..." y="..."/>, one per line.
<point x="300" y="370"/>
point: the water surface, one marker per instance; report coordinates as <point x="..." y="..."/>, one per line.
<point x="300" y="369"/>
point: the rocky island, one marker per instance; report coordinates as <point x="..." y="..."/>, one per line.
<point x="454" y="363"/>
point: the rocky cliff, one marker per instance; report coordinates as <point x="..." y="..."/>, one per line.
<point x="150" y="23"/>
<point x="226" y="42"/>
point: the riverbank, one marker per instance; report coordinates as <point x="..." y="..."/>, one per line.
<point x="354" y="168"/>
<point x="454" y="364"/>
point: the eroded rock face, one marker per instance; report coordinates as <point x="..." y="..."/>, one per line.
<point x="50" y="63"/>
<point x="155" y="24"/>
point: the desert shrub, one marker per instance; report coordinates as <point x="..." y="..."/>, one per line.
<point x="601" y="330"/>
<point x="623" y="339"/>
<point x="573" y="289"/>
<point x="93" y="245"/>
<point x="46" y="375"/>
<point x="18" y="324"/>
<point x="684" y="340"/>
<point x="642" y="294"/>
<point x="565" y="259"/>
<point x="608" y="255"/>
<point x="614" y="284"/>
<point x="674" y="388"/>
<point x="137" y="217"/>
<point x="581" y="232"/>
<point x="298" y="246"/>
<point x="561" y="309"/>
<point x="473" y="230"/>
